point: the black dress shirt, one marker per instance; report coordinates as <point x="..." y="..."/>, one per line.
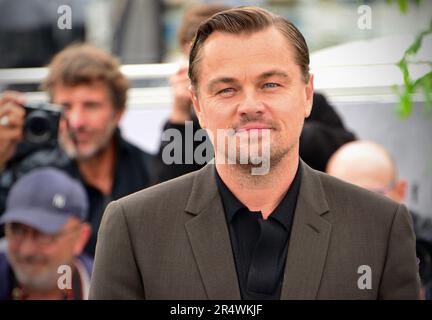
<point x="260" y="246"/>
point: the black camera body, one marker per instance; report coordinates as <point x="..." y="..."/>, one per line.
<point x="42" y="123"/>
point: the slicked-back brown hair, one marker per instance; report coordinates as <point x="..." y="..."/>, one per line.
<point x="248" y="20"/>
<point x="86" y="64"/>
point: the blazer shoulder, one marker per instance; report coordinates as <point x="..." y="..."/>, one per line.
<point x="162" y="197"/>
<point x="351" y="198"/>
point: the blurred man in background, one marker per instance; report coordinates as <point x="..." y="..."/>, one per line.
<point x="89" y="86"/>
<point x="323" y="133"/>
<point x="45" y="229"/>
<point x="370" y="166"/>
<point x="182" y="109"/>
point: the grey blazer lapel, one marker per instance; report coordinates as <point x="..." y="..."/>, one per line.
<point x="209" y="237"/>
<point x="309" y="241"/>
<point x="210" y="241"/>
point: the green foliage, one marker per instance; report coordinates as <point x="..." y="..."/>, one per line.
<point x="403" y="4"/>
<point x="411" y="86"/>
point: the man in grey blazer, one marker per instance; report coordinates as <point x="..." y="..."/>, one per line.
<point x="254" y="225"/>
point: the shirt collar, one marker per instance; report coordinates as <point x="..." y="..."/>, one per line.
<point x="283" y="213"/>
<point x="231" y="204"/>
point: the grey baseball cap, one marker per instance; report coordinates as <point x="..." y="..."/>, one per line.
<point x="44" y="199"/>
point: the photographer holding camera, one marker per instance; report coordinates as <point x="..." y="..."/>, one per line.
<point x="88" y="85"/>
<point x="11" y="123"/>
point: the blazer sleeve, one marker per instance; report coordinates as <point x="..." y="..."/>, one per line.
<point x="115" y="272"/>
<point x="400" y="278"/>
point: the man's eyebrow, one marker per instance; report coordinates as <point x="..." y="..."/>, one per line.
<point x="217" y="81"/>
<point x="271" y="73"/>
<point x="262" y="76"/>
<point x="91" y="102"/>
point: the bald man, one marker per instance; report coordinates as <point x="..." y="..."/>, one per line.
<point x="370" y="166"/>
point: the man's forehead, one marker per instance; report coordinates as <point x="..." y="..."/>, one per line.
<point x="256" y="41"/>
<point x="92" y="87"/>
<point x="229" y="55"/>
<point x="85" y="93"/>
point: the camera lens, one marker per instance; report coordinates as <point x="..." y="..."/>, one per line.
<point x="38" y="127"/>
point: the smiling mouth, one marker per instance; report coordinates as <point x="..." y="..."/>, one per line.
<point x="80" y="135"/>
<point x="251" y="124"/>
<point x="249" y="128"/>
<point x="81" y="139"/>
<point x="30" y="264"/>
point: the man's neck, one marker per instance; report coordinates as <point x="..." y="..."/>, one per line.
<point x="261" y="193"/>
<point x="98" y="171"/>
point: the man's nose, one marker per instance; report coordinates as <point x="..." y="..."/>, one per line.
<point x="28" y="245"/>
<point x="75" y="118"/>
<point x="251" y="104"/>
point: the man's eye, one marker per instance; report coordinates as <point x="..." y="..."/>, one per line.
<point x="92" y="106"/>
<point x="66" y="107"/>
<point x="271" y="85"/>
<point x="226" y="91"/>
<point x="16" y="229"/>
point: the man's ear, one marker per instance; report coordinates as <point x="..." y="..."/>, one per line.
<point x="118" y="114"/>
<point x="401" y="190"/>
<point x="309" y="89"/>
<point x="197" y="106"/>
